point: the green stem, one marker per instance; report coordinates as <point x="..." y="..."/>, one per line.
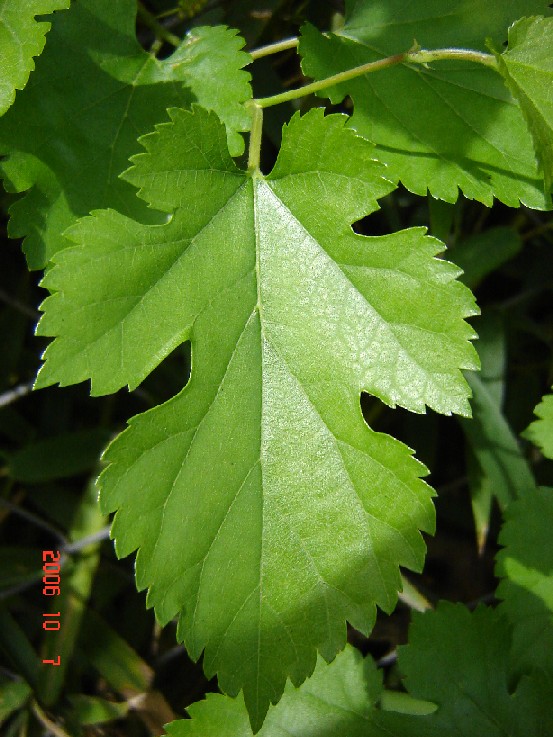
<point x="411" y="57"/>
<point x="289" y="43"/>
<point x="254" y="151"/>
<point x="422" y="56"/>
<point x="152" y="22"/>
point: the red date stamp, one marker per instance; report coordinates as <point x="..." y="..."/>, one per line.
<point x="51" y="587"/>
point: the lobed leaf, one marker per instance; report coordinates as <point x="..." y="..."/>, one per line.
<point x="449" y="126"/>
<point x="481" y="254"/>
<point x="495" y="445"/>
<point x="265" y="511"/>
<point x="95" y="91"/>
<point x="22" y="38"/>
<point x="527" y="66"/>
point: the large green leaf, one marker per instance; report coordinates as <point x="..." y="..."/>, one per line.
<point x="449" y="126"/>
<point x="527" y="66"/>
<point x="21" y="38"/>
<point x="540" y="432"/>
<point x="265" y="511"/>
<point x="526" y="565"/>
<point x="495" y="464"/>
<point x="95" y="90"/>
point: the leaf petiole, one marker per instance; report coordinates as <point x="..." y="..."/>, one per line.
<point x="254" y="150"/>
<point x="419" y="56"/>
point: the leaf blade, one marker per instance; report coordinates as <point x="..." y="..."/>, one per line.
<point x="280" y="355"/>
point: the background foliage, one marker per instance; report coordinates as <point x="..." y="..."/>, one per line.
<point x="122" y="673"/>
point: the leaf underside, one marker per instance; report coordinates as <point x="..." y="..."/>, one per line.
<point x="264" y="509"/>
<point x="70" y="134"/>
<point x="449" y="127"/>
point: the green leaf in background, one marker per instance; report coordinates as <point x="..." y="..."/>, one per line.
<point x="459" y="661"/>
<point x="495" y="445"/>
<point x="94" y="710"/>
<point x="13" y="695"/>
<point x="338" y="699"/>
<point x="483" y="253"/>
<point x="69" y="135"/>
<point x="260" y="479"/>
<point x="21" y="38"/>
<point x="540" y="432"/>
<point x="484" y="463"/>
<point x="443" y="128"/>
<point x="527" y="66"/>
<point x="62" y="456"/>
<point x="526" y="566"/>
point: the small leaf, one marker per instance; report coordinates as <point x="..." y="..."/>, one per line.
<point x="449" y="126"/>
<point x="21" y="38"/>
<point x="527" y="66"/>
<point x="210" y="62"/>
<point x="526" y="566"/>
<point x="484" y="464"/>
<point x="540" y="432"/>
<point x="115" y="660"/>
<point x="261" y="478"/>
